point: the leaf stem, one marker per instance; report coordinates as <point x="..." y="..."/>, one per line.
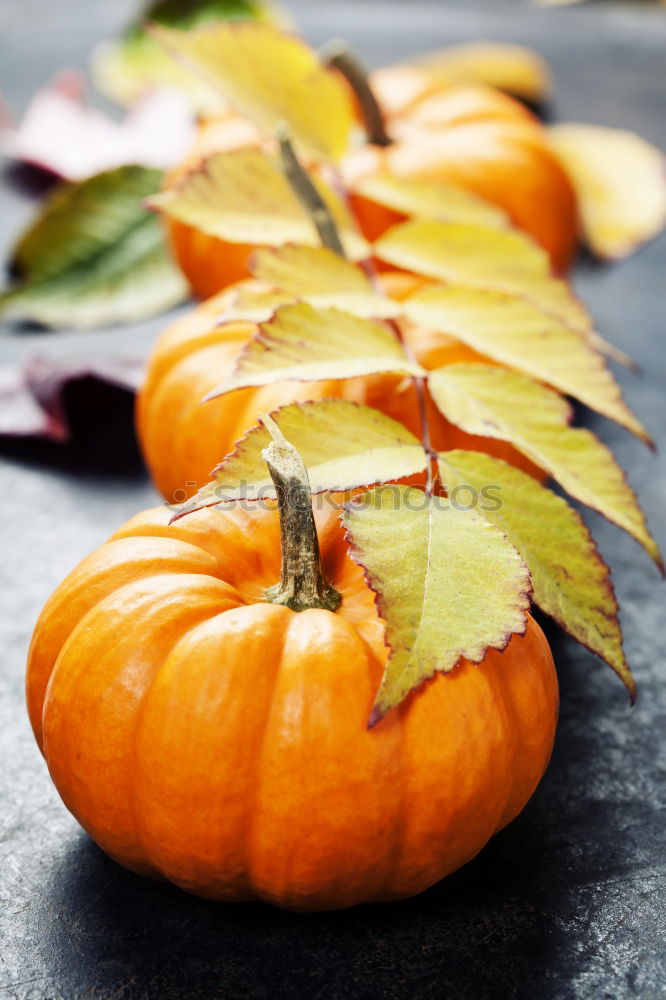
<point x="420" y="384"/>
<point x="420" y="387"/>
<point x="302" y="584"/>
<point x="337" y="54"/>
<point x="307" y="193"/>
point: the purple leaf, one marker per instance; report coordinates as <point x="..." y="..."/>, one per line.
<point x="33" y="399"/>
<point x="62" y="134"/>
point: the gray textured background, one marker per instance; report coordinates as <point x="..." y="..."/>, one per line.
<point x="566" y="903"/>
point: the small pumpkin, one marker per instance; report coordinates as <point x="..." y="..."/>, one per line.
<point x="209" y="729"/>
<point x="183" y="439"/>
<point x="474" y="137"/>
<point x="479" y="139"/>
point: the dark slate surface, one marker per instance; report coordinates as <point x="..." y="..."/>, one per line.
<point x="566" y="903"/>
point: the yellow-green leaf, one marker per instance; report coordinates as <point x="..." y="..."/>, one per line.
<point x="255" y="305"/>
<point x="620" y="180"/>
<point x="310" y="274"/>
<point x="496" y="403"/>
<point x="522" y="336"/>
<point x="416" y="196"/>
<point x="311" y="345"/>
<point x="571" y="581"/>
<point x="449" y="585"/>
<point x="343" y="445"/>
<point x="126" y="68"/>
<point x="271" y="77"/>
<point x="505" y="260"/>
<point x="244" y="197"/>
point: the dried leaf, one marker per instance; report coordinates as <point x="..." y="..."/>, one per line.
<point x="571" y="581"/>
<point x="312" y="345"/>
<point x="520" y="335"/>
<point x="95" y="256"/>
<point x="492" y="402"/>
<point x="63" y="134"/>
<point x="22" y="414"/>
<point x="449" y="585"/>
<point x="244" y="197"/>
<point x="620" y="180"/>
<point x="78" y="412"/>
<point x="343" y="445"/>
<point x="270" y="77"/>
<point x="513" y="68"/>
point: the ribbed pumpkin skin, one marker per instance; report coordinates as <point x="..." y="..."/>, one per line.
<point x="221" y="743"/>
<point x="183" y="439"/>
<point x="474" y="137"/>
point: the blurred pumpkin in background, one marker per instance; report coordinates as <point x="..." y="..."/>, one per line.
<point x="474" y="137"/>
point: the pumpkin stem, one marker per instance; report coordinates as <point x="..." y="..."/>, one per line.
<point x="340" y="57"/>
<point x="307" y="193"/>
<point x="303" y="584"/>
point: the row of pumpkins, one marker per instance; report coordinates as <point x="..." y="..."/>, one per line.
<point x="203" y="735"/>
<point x="473" y="137"/>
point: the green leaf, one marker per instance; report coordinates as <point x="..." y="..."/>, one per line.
<point x="94" y="256"/>
<point x="571" y="581"/>
<point x="449" y="585"/>
<point x="243" y="196"/>
<point x="501" y="404"/>
<point x="126" y="69"/>
<point x="311" y="345"/>
<point x="342" y="444"/>
<point x="187" y="14"/>
<point x="270" y="77"/>
<point x="521" y="336"/>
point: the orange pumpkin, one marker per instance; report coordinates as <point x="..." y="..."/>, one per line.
<point x="183" y="439"/>
<point x="481" y="140"/>
<point x="206" y="736"/>
<point x="474" y="137"/>
<point x="208" y="263"/>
